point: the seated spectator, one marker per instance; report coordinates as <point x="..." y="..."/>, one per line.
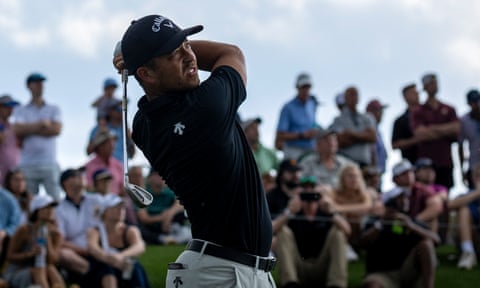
<point x="135" y="176"/>
<point x="325" y="164"/>
<point x="400" y="250"/>
<point x="16" y="184"/>
<point x="116" y="244"/>
<point x="76" y="213"/>
<point x="102" y="181"/>
<point x="311" y="247"/>
<point x="163" y="221"/>
<point x="371" y="176"/>
<point x="425" y="205"/>
<point x="103" y="145"/>
<point x="27" y="263"/>
<point x="10" y="215"/>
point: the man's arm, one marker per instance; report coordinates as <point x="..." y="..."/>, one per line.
<point x="211" y="55"/>
<point x="42" y="128"/>
<point x="367" y="135"/>
<point x="433" y="208"/>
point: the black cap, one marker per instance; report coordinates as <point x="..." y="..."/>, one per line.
<point x="35" y="77"/>
<point x="288" y="165"/>
<point x="423" y="163"/>
<point x="473" y="96"/>
<point x="149" y="37"/>
<point x="68" y="173"/>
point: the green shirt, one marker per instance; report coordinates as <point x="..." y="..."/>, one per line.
<point x="266" y="159"/>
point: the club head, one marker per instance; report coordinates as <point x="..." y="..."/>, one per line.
<point x="140" y="197"/>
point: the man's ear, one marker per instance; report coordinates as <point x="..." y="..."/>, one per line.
<point x="144" y="74"/>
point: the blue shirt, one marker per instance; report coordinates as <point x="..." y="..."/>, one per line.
<point x="10" y="213"/>
<point x="297" y="116"/>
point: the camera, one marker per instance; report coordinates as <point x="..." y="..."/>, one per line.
<point x="310" y="196"/>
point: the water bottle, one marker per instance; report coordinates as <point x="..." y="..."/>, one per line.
<point x="41" y="258"/>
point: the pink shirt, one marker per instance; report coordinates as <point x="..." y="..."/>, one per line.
<point x="115" y="168"/>
<point x="9" y="150"/>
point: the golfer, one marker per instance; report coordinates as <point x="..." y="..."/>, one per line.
<point x="189" y="133"/>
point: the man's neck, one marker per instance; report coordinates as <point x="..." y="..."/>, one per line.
<point x="38" y="100"/>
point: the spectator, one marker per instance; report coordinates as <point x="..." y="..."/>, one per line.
<point x="379" y="154"/>
<point x="438" y="125"/>
<point x="340" y="101"/>
<point x="27" y="264"/>
<point x="114" y="124"/>
<point x="325" y="164"/>
<point x="116" y="244"/>
<point x="402" y="134"/>
<point x="265" y="158"/>
<point x="355" y="131"/>
<point x="135" y="176"/>
<point x="38" y="125"/>
<point x="371" y="176"/>
<point x="10" y="215"/>
<point x="102" y="181"/>
<point x="425" y="206"/>
<point x="9" y="148"/>
<point x="16" y="184"/>
<point x="297" y="122"/>
<point x="162" y="222"/>
<point x="104" y="101"/>
<point x="400" y="250"/>
<point x="76" y="213"/>
<point x="311" y="248"/>
<point x="103" y="146"/>
<point x="469" y="132"/>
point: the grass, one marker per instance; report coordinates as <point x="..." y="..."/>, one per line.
<point x="156" y="258"/>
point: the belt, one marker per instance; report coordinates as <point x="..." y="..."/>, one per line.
<point x="262" y="263"/>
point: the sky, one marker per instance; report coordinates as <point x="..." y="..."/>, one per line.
<point x="376" y="45"/>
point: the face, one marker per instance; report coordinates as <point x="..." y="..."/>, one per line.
<point x="351" y="98"/>
<point x="175" y="72"/>
<point x="36" y="88"/>
<point x="291" y="176"/>
<point x="110" y="90"/>
<point x="351" y="179"/>
<point x="156" y="183"/>
<point x="425" y="175"/>
<point x="304" y="92"/>
<point x="135" y="175"/>
<point x="328" y="144"/>
<point x="251" y="132"/>
<point x="106" y="148"/>
<point x="5" y="112"/>
<point x="115" y="214"/>
<point x="18" y="183"/>
<point x="310" y="207"/>
<point x="431" y="87"/>
<point x="377" y="114"/>
<point x="405" y="179"/>
<point x="411" y="96"/>
<point x="46" y="214"/>
<point x="73" y="184"/>
<point x="102" y="186"/>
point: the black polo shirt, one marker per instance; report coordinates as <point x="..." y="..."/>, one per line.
<point x="195" y="142"/>
<point x="403" y="130"/>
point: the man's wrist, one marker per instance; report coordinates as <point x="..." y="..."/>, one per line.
<point x="286" y="212"/>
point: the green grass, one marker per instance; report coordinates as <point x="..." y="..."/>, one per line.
<point x="156" y="258"/>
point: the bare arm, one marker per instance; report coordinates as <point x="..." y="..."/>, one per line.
<point x="367" y="135"/>
<point x="211" y="55"/>
<point x="342" y="224"/>
<point x="93" y="240"/>
<point x="19" y="239"/>
<point x="72" y="246"/>
<point x="434" y="207"/>
<point x="54" y="242"/>
<point x="464" y="199"/>
<point x="41" y="128"/>
<point x="136" y="245"/>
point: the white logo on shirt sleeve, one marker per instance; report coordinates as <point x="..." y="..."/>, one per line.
<point x="178" y="128"/>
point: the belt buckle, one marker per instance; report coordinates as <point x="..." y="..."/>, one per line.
<point x="270" y="264"/>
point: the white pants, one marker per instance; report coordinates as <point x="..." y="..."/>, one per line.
<point x="195" y="269"/>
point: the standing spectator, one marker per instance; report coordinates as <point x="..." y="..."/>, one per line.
<point x="10" y="215"/>
<point x="311" y="251"/>
<point x="105" y="101"/>
<point x="116" y="244"/>
<point x="355" y="131"/>
<point x="325" y="165"/>
<point x="266" y="159"/>
<point x="37" y="125"/>
<point x="103" y="146"/>
<point x="163" y="221"/>
<point x="379" y="154"/>
<point x="470" y="132"/>
<point x="402" y="134"/>
<point x="340" y="101"/>
<point x="16" y="184"/>
<point x="27" y="265"/>
<point x="76" y="213"/>
<point x="297" y="122"/>
<point x="400" y="250"/>
<point x="114" y="120"/>
<point x="9" y="150"/>
<point x="438" y="124"/>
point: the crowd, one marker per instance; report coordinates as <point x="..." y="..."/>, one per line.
<point x="324" y="194"/>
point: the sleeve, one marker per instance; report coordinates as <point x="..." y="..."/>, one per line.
<point x="18" y="116"/>
<point x="14" y="217"/>
<point x="370" y="121"/>
<point x="56" y="115"/>
<point x="283" y="121"/>
<point x="396" y="135"/>
<point x="453" y="114"/>
<point x="416" y="120"/>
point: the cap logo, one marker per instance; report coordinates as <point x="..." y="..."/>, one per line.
<point x="157" y="23"/>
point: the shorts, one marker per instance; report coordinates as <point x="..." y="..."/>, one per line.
<point x="17" y="276"/>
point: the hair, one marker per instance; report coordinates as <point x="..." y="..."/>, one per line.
<point x="341" y="185"/>
<point x="149" y="64"/>
<point x="408" y="87"/>
<point x="23" y="199"/>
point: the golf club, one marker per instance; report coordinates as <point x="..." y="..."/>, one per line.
<point x="139" y="196"/>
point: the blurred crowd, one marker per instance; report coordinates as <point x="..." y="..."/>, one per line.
<point x="323" y="186"/>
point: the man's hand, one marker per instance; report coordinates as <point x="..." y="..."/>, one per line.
<point x="405" y="219"/>
<point x="116" y="260"/>
<point x="295" y="204"/>
<point x="118" y="63"/>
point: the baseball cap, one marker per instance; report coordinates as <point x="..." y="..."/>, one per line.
<point x="371" y="170"/>
<point x="8" y="101"/>
<point x="151" y="36"/>
<point x="321" y="132"/>
<point x="102" y="136"/>
<point x="110" y="82"/>
<point x="34" y="77"/>
<point x="68" y="173"/>
<point x="250" y="121"/>
<point x="101" y="174"/>
<point x="423" y="163"/>
<point x="41" y="201"/>
<point x="303" y="79"/>
<point x="473" y="96"/>
<point x="394" y="193"/>
<point x="427" y="78"/>
<point x="109" y="201"/>
<point x="340" y="98"/>
<point x="305" y="180"/>
<point x="288" y="165"/>
<point x="375" y="105"/>
<point x="402" y="167"/>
